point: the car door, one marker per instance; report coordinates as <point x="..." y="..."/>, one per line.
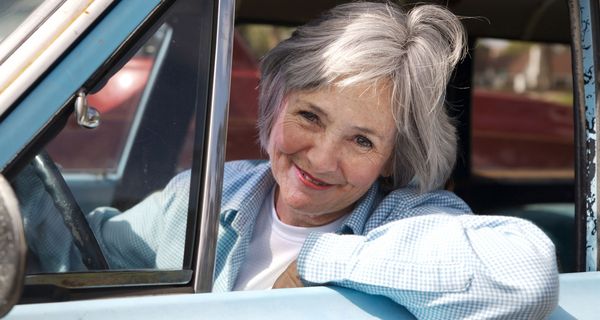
<point x="178" y="125"/>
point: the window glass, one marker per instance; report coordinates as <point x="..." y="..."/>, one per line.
<point x="123" y="175"/>
<point x="121" y="106"/>
<point x="522" y="110"/>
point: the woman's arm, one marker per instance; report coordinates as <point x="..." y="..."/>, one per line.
<point x="443" y="266"/>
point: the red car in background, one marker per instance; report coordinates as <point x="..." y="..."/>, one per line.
<point x="506" y="142"/>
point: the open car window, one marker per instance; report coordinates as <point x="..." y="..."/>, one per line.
<point x="522" y="137"/>
<point x="250" y="43"/>
<point x="520" y="128"/>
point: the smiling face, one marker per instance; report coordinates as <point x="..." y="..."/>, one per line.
<point x="327" y="147"/>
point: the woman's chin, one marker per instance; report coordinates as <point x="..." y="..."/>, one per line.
<point x="300" y="202"/>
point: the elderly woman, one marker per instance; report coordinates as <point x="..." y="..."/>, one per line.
<point x="352" y="118"/>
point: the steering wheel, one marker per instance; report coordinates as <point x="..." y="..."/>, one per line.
<point x="74" y="219"/>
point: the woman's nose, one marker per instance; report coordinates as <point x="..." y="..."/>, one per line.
<point x="324" y="156"/>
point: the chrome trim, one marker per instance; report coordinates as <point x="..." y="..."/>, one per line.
<point x="87" y="116"/>
<point x="216" y="133"/>
<point x="111" y="279"/>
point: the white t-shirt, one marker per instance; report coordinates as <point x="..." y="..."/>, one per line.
<point x="273" y="246"/>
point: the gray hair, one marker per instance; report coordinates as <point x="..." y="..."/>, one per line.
<point x="414" y="51"/>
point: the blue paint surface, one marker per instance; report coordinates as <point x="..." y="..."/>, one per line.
<point x="46" y="99"/>
<point x="287" y="304"/>
<point x="579" y="296"/>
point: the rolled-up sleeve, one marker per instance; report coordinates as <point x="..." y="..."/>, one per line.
<point x="443" y="266"/>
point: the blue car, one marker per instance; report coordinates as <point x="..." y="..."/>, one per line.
<point x="106" y="100"/>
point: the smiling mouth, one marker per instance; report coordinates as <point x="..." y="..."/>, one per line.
<point x="311" y="181"/>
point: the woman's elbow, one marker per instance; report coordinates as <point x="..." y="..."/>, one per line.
<point x="533" y="290"/>
<point x="540" y="295"/>
<point x="518" y="263"/>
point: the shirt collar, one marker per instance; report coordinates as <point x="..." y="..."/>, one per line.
<point x="356" y="221"/>
<point x="353" y="224"/>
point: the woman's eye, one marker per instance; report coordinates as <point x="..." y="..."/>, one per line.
<point x="309" y="116"/>
<point x="363" y="142"/>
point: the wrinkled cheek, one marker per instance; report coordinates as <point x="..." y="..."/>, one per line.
<point x="275" y="139"/>
<point x="362" y="176"/>
<point x="293" y="140"/>
<point x="286" y="139"/>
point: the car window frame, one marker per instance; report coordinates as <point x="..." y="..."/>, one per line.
<point x="205" y="184"/>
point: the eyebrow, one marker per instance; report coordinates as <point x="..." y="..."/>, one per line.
<point x="324" y="114"/>
<point x="317" y="109"/>
<point x="368" y="131"/>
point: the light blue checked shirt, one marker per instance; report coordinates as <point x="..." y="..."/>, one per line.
<point x="427" y="251"/>
<point x="424" y="251"/>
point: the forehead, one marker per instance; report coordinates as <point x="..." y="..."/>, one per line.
<point x="359" y="98"/>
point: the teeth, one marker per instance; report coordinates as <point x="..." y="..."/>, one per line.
<point x="319" y="183"/>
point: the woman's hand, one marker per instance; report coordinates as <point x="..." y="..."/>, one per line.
<point x="289" y="278"/>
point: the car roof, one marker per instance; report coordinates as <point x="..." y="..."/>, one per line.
<point x="546" y="21"/>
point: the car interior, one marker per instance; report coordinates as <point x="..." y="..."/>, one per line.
<point x="516" y="132"/>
